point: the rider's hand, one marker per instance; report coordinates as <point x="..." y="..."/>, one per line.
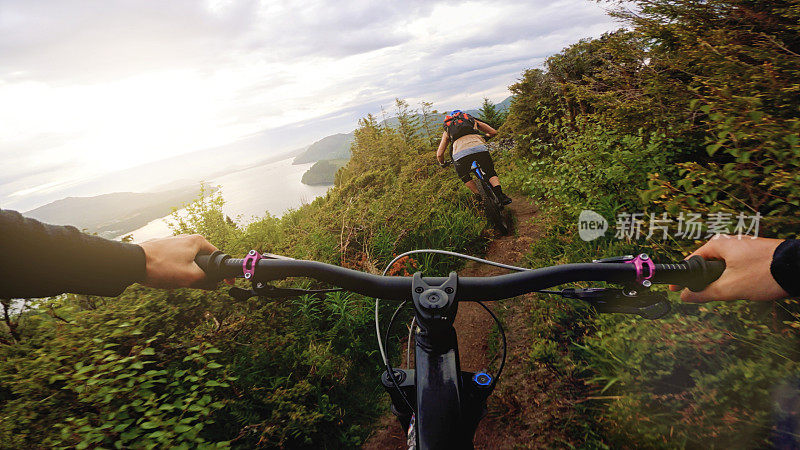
<point x="747" y="270"/>
<point x="170" y="262"/>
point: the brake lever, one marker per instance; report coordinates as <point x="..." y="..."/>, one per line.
<point x="649" y="305"/>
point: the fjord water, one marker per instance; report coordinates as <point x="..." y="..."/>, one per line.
<point x="251" y="193"/>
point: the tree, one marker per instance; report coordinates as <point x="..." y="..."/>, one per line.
<point x="490" y="114"/>
<point x="407" y="123"/>
<point x="428" y="117"/>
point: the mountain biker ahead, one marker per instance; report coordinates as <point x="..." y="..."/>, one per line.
<point x="469" y="145"/>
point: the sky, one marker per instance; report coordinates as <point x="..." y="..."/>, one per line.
<point x="90" y="88"/>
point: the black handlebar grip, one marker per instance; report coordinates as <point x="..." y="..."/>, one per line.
<point x="211" y="263"/>
<point x="704" y="272"/>
<point x="202" y="260"/>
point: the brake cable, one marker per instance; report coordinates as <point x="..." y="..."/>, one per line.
<point x="408" y="340"/>
<point x="503" y="335"/>
<point x="433" y="251"/>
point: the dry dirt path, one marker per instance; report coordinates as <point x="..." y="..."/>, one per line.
<point x="525" y="409"/>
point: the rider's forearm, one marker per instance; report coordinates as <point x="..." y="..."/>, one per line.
<point x="40" y="260"/>
<point x="440" y="152"/>
<point x="489" y="131"/>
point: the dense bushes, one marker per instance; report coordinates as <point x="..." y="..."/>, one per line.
<point x="694" y="108"/>
<point x="189" y="369"/>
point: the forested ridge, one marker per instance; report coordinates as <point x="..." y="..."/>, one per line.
<point x="323" y="172"/>
<point x="693" y="107"/>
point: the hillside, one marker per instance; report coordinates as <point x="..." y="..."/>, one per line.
<point x="111" y="215"/>
<point x="293" y="371"/>
<point x="689" y="109"/>
<point x="336" y="146"/>
<point x="323" y="172"/>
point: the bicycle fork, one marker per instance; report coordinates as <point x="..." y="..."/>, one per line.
<point x="477" y="386"/>
<point x="447" y="403"/>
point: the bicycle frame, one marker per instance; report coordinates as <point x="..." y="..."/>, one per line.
<point x="449" y="402"/>
<point x="478" y="171"/>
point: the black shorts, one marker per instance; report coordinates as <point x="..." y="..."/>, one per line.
<point x="464" y="165"/>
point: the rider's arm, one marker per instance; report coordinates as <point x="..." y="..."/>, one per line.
<point x="755" y="269"/>
<point x="442" y="147"/>
<point x="39" y="260"/>
<point x="490" y="132"/>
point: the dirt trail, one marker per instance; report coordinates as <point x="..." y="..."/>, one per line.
<point x="517" y="407"/>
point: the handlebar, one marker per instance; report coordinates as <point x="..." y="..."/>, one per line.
<point x="695" y="273"/>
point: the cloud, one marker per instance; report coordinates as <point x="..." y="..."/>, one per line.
<point x="90" y="41"/>
<point x="336" y="29"/>
<point x="96" y="85"/>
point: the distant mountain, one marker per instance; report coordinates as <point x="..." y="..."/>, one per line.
<point x="502" y="107"/>
<point x="111" y="215"/>
<point x="437" y="119"/>
<point x="336" y="146"/>
<point x="505" y="104"/>
<point x="196" y="166"/>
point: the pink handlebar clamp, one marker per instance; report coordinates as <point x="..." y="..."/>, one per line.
<point x="249" y="264"/>
<point x="639" y="262"/>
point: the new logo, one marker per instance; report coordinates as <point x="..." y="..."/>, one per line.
<point x="591" y="225"/>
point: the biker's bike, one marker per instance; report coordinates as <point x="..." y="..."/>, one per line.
<point x="497" y="215"/>
<point x="438" y="403"/>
